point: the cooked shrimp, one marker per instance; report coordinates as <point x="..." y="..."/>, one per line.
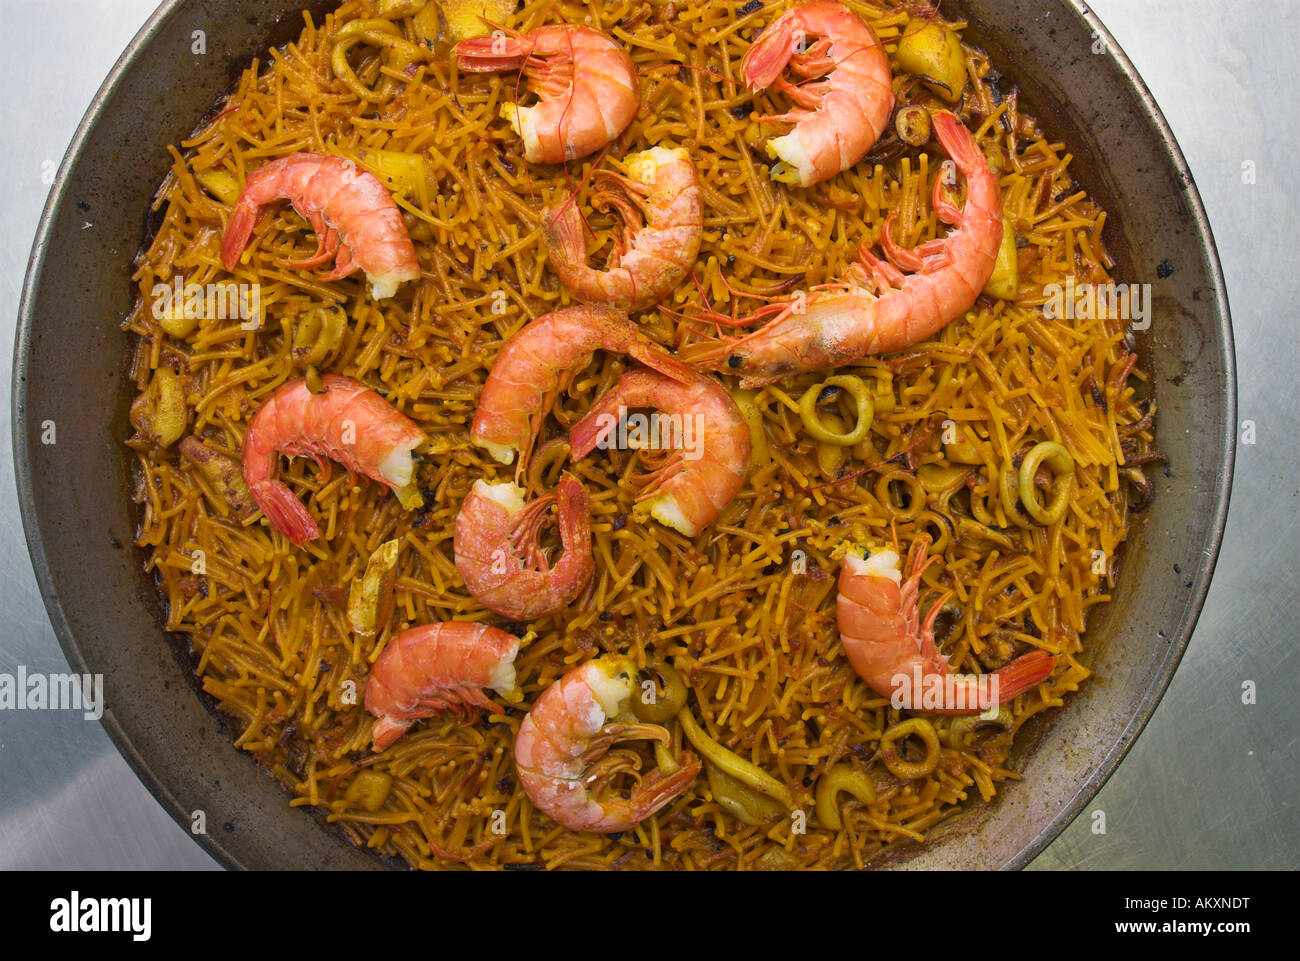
<point x="842" y="323"/>
<point x="705" y="426"/>
<point x="651" y="258"/>
<point x="845" y="113"/>
<point x="586" y="84"/>
<point x="346" y="422"/>
<point x="438" y="667"/>
<point x="500" y="560"/>
<point x="357" y="223"/>
<point x="890" y="649"/>
<point x="536" y="365"/>
<point x="560" y="751"/>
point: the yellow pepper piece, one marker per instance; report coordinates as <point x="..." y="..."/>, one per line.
<point x="733" y="764"/>
<point x="933" y="52"/>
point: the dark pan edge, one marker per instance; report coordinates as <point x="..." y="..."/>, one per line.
<point x="1223" y="492"/>
<point x="22" y="464"/>
<point x="212" y="843"/>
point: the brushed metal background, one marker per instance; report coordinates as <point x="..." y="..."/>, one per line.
<point x="1210" y="783"/>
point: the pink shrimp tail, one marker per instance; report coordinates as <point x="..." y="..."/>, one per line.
<point x="766" y="59"/>
<point x="238" y="232"/>
<point x="1019" y="677"/>
<point x="602" y="418"/>
<point x="386" y="730"/>
<point x="594" y="426"/>
<point x="284" y="511"/>
<point x="657" y="788"/>
<point x="956" y="140"/>
<point x="574" y="519"/>
<point x="1023" y="674"/>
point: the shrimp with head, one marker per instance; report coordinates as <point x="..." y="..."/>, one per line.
<point x="586" y="84"/>
<point x="561" y="751"/>
<point x="439" y="667"/>
<point x="537" y="364"/>
<point x="357" y="224"/>
<point x="880" y="310"/>
<point x="845" y="98"/>
<point x="894" y="651"/>
<point x="709" y="437"/>
<point x="663" y="215"/>
<point x="347" y="422"/>
<point x="499" y="557"/>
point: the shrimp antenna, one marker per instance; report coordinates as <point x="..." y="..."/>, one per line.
<point x="863" y="473"/>
<point x="774" y="306"/>
<point x="924" y="11"/>
<point x="574" y="189"/>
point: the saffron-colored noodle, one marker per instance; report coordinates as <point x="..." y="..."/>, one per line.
<point x="745" y="611"/>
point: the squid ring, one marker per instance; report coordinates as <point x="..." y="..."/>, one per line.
<point x="841" y="779"/>
<point x="377" y="33"/>
<point x="733" y="764"/>
<point x="907" y="770"/>
<point x="1009" y="491"/>
<point x="1061" y="464"/>
<point x="915" y="492"/>
<point x="961" y="728"/>
<point x="861" y="397"/>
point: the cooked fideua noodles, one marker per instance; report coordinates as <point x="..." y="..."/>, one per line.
<point x="632" y="434"/>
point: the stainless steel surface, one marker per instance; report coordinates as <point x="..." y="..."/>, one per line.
<point x="67" y="799"/>
<point x="1190" y="794"/>
<point x="105" y="611"/>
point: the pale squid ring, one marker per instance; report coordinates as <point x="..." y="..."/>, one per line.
<point x="857" y="389"/>
<point x="1009" y="492"/>
<point x="907" y="770"/>
<point x="841" y="779"/>
<point x="916" y="493"/>
<point x="377" y="33"/>
<point x="1061" y="464"/>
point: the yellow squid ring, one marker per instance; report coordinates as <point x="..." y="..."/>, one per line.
<point x="1009" y="491"/>
<point x="961" y="728"/>
<point x="316" y="334"/>
<point x="861" y="394"/>
<point x="942" y="526"/>
<point x="748" y="805"/>
<point x="1061" y="464"/>
<point x="941" y="483"/>
<point x="916" y="492"/>
<point x="378" y="33"/>
<point x="841" y="779"/>
<point x="908" y="770"/>
<point x="882" y="389"/>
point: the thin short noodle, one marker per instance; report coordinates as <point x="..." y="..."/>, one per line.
<point x="752" y="632"/>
